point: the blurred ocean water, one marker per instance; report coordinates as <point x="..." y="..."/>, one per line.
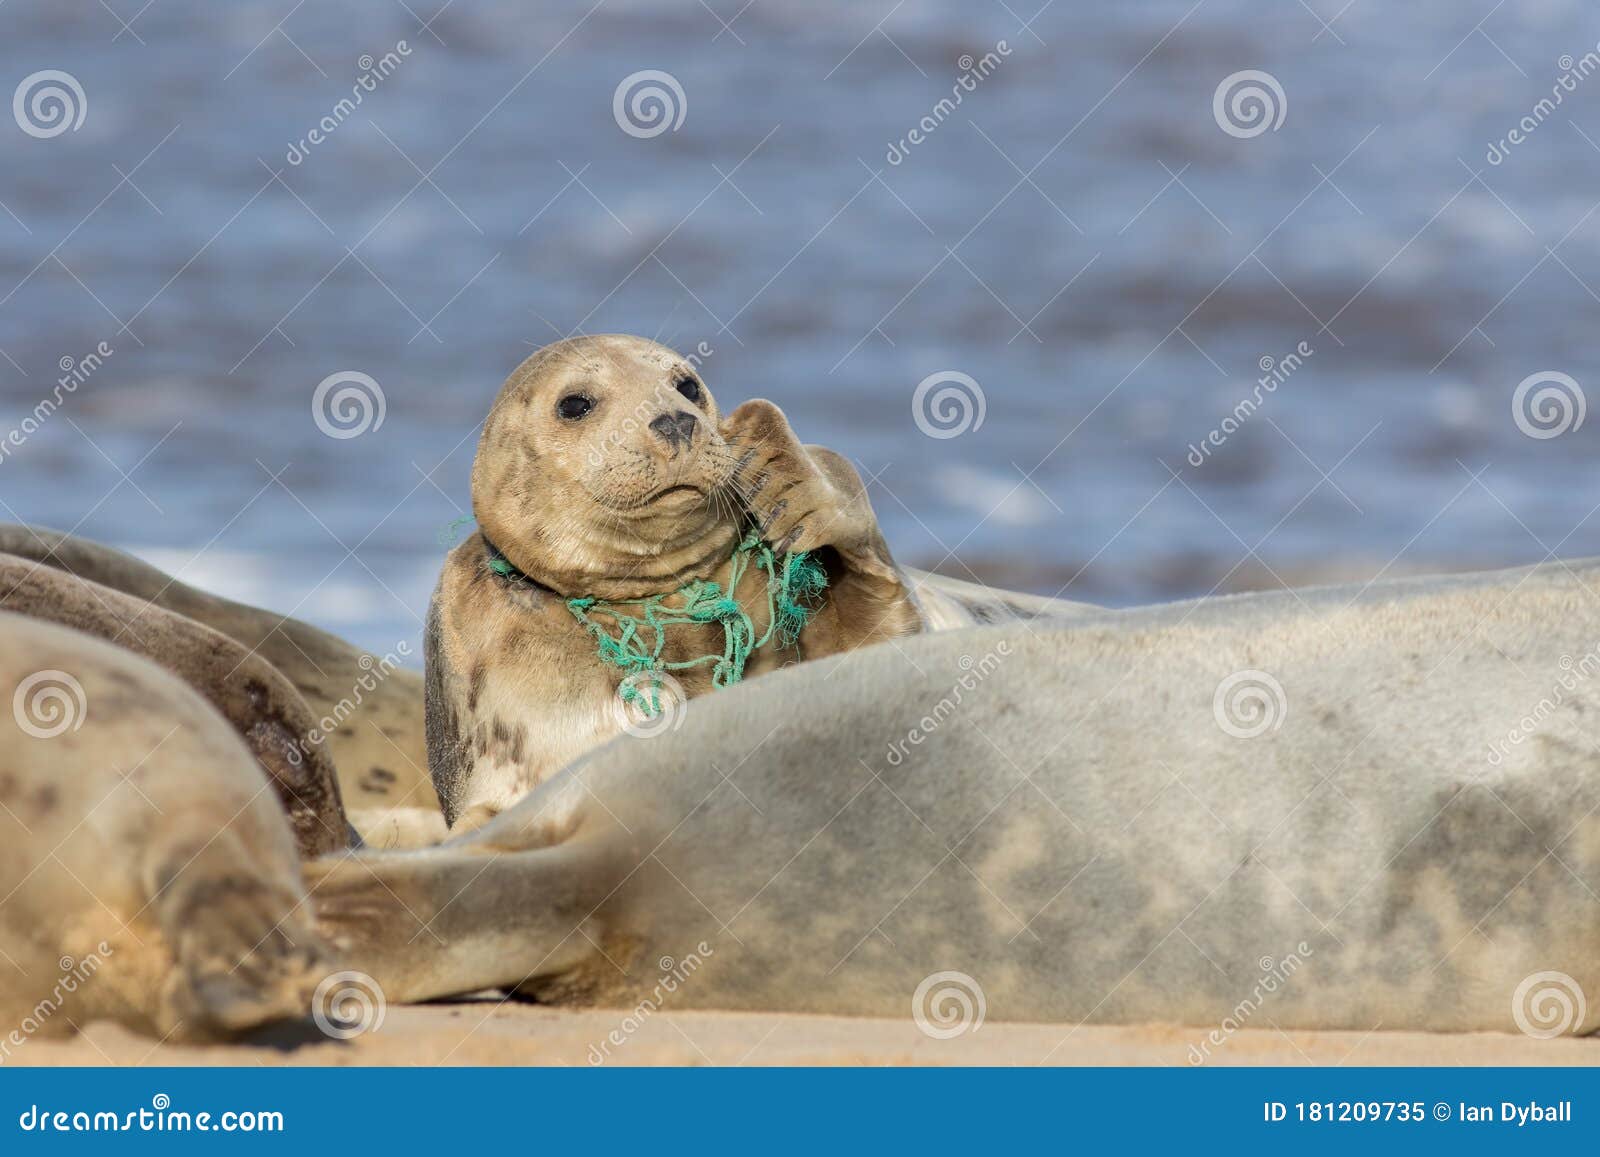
<point x="1081" y="237"/>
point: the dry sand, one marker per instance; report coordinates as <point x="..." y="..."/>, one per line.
<point x="487" y="1033"/>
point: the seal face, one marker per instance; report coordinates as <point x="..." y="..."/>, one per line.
<point x="602" y="471"/>
<point x="607" y="470"/>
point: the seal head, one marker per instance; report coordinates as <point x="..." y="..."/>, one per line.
<point x="601" y="470"/>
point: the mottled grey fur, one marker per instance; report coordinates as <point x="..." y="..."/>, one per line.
<point x="1075" y="830"/>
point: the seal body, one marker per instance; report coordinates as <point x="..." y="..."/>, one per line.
<point x="366" y="711"/>
<point x="257" y="701"/>
<point x="606" y="470"/>
<point x="147" y="869"/>
<point x="1330" y="809"/>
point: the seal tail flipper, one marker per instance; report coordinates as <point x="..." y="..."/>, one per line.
<point x="245" y="951"/>
<point x="456" y="919"/>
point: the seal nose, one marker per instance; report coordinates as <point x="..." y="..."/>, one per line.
<point x="676" y="430"/>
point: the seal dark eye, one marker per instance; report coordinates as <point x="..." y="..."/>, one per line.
<point x="574" y="406"/>
<point x="689" y="388"/>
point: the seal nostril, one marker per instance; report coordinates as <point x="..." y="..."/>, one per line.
<point x="675" y="429"/>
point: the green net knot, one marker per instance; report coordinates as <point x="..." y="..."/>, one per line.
<point x="638" y="628"/>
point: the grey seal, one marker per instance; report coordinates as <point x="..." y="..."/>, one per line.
<point x="148" y="873"/>
<point x="1336" y="808"/>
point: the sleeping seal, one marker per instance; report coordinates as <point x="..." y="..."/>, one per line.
<point x="1329" y="809"/>
<point x="147" y="871"/>
<point x="268" y="714"/>
<point x="367" y="711"/>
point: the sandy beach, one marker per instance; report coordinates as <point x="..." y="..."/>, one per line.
<point x="489" y="1033"/>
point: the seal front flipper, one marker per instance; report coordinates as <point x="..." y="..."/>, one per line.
<point x="810" y="498"/>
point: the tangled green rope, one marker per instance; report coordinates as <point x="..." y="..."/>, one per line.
<point x="639" y="628"/>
